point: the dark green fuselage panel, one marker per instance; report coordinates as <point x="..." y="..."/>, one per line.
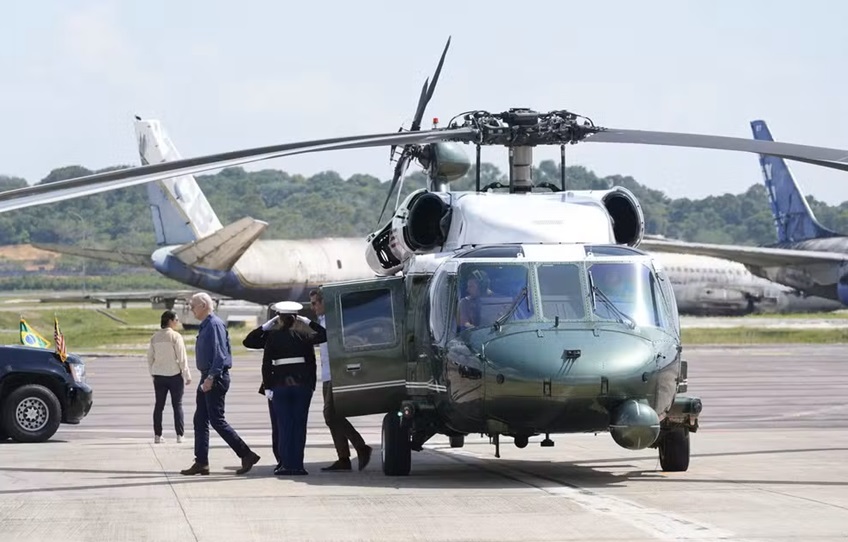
<point x="527" y="377"/>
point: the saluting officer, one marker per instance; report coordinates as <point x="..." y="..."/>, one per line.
<point x="289" y="372"/>
<point x="258" y="339"/>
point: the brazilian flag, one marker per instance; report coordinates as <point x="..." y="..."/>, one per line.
<point x="30" y="337"/>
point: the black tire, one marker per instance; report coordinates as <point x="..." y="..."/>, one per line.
<point x="674" y="450"/>
<point x="457" y="441"/>
<point x="31" y="413"/>
<point x="396" y="448"/>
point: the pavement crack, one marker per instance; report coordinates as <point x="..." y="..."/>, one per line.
<point x="174" y="491"/>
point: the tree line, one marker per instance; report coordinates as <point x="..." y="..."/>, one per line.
<point x="326" y="204"/>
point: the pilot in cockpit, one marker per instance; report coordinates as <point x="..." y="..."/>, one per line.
<point x="476" y="286"/>
<point x="613" y="281"/>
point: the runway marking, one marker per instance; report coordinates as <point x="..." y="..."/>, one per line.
<point x="802" y="414"/>
<point x="661" y="524"/>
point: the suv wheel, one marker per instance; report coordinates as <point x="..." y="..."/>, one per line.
<point x="31" y="413"/>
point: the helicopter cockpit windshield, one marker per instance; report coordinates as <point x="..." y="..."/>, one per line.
<point x="625" y="292"/>
<point x="490" y="293"/>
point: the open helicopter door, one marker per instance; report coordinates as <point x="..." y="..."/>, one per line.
<point x="365" y="330"/>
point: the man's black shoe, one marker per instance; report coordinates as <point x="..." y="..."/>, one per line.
<point x="247" y="463"/>
<point x="341" y="464"/>
<point x="196" y="468"/>
<point x="364" y="456"/>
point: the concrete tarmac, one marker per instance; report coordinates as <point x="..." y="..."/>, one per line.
<point x="767" y="464"/>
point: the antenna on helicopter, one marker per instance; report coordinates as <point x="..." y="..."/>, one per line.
<point x="415" y="151"/>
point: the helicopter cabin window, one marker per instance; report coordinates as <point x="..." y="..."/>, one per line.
<point x="562" y="294"/>
<point x="368" y="319"/>
<point x="625" y="291"/>
<point x="488" y="291"/>
<point x="442" y="299"/>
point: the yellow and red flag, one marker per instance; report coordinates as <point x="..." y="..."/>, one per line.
<point x="59" y="339"/>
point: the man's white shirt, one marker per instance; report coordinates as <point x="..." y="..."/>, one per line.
<point x="325" y="357"/>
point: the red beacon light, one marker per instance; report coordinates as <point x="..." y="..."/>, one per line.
<point x="435" y="122"/>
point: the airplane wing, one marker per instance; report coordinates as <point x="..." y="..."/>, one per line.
<point x="139" y="259"/>
<point x="753" y="256"/>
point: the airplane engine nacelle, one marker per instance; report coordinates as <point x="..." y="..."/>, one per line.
<point x="420" y="225"/>
<point x="628" y="221"/>
<point x="842" y="288"/>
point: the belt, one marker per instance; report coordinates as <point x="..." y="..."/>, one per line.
<point x="288" y="361"/>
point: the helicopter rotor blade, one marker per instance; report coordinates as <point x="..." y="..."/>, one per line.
<point x="409" y="150"/>
<point x="91" y="184"/>
<point x="820" y="156"/>
<point x="400" y="169"/>
<point x="428" y="90"/>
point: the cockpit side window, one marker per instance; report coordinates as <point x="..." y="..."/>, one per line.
<point x="488" y="291"/>
<point x="368" y="319"/>
<point x="442" y="305"/>
<point x="561" y="291"/>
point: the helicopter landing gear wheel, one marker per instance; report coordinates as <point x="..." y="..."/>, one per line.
<point x="521" y="441"/>
<point x="457" y="441"/>
<point x="674" y="450"/>
<point x="396" y="449"/>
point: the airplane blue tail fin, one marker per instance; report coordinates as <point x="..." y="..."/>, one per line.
<point x="793" y="217"/>
<point x="181" y="213"/>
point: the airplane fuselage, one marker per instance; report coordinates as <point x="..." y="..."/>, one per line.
<point x="826" y="279"/>
<point x="273" y="270"/>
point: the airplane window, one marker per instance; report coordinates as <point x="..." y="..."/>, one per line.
<point x="487" y="291"/>
<point x="339" y="264"/>
<point x="626" y="293"/>
<point x="562" y="293"/>
<point x="368" y="319"/>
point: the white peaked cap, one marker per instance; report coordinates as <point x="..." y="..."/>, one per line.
<point x="287" y="307"/>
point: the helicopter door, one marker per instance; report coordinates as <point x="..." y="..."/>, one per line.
<point x="365" y="328"/>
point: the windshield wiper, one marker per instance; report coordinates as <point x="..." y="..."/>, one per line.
<point x="622" y="316"/>
<point x="505" y="316"/>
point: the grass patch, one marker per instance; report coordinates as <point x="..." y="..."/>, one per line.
<point x="751" y="335"/>
<point x="92" y="329"/>
<point x="835" y="315"/>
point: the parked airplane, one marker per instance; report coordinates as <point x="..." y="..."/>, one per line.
<point x="709" y="286"/>
<point x="196" y="249"/>
<point x="807" y="257"/>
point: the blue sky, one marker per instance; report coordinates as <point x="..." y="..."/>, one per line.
<point x="225" y="75"/>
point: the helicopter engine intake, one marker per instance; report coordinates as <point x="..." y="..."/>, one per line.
<point x="420" y="225"/>
<point x="628" y="221"/>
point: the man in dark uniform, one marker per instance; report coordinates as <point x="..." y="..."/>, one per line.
<point x="288" y="371"/>
<point x="256" y="339"/>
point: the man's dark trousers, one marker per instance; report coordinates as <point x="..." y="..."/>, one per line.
<point x="340" y="429"/>
<point x="275" y="433"/>
<point x="210" y="411"/>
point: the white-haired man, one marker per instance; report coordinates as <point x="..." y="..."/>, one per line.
<point x="214" y="360"/>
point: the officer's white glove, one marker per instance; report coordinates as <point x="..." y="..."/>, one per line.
<point x="303" y="319"/>
<point x="269" y="394"/>
<point x="270" y="323"/>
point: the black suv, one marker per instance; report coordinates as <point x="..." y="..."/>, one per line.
<point x="38" y="392"/>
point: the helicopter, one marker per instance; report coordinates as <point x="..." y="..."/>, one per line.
<point x="512" y="310"/>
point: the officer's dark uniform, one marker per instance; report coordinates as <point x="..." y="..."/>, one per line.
<point x="289" y="370"/>
<point x="256" y="339"/>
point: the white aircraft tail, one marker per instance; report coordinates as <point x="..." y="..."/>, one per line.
<point x="181" y="213"/>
